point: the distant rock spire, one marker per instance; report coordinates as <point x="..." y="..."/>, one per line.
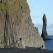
<point x="44" y="34"/>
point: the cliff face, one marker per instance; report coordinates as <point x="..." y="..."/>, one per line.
<point x="16" y="28"/>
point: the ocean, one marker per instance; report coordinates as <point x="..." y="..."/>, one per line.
<point x="49" y="43"/>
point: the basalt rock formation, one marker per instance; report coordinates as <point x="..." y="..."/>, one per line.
<point x="44" y="29"/>
<point x="16" y="28"/>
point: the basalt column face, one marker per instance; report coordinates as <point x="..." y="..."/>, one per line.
<point x="16" y="28"/>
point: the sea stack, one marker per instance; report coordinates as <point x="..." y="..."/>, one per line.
<point x="44" y="34"/>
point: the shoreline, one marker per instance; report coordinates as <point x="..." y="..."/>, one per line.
<point x="24" y="50"/>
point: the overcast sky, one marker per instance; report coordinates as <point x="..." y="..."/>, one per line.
<point x="38" y="8"/>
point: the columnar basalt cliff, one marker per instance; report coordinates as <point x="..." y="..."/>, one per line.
<point x="16" y="28"/>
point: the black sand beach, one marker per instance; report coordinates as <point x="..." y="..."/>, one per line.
<point x="26" y="50"/>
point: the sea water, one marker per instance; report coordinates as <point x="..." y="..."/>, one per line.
<point x="49" y="43"/>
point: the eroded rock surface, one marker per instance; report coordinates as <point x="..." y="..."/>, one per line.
<point x="16" y="28"/>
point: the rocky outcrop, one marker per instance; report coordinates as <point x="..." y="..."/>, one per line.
<point x="44" y="29"/>
<point x="16" y="28"/>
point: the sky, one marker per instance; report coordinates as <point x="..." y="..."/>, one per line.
<point x="37" y="9"/>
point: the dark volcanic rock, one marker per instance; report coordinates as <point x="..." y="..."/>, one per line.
<point x="44" y="34"/>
